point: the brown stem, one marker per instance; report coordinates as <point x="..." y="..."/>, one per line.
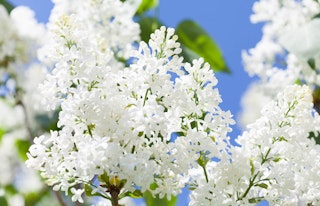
<point x="114" y="192"/>
<point x="28" y="126"/>
<point x="60" y="199"/>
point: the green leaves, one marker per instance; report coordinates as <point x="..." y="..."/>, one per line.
<point x="197" y="40"/>
<point x="7" y="5"/>
<point x="134" y="194"/>
<point x="148" y="25"/>
<point x="3" y="201"/>
<point x="262" y="185"/>
<point x="146" y="5"/>
<point x="152" y="201"/>
<point x="23" y="147"/>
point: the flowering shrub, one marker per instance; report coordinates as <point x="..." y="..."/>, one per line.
<point x="135" y="119"/>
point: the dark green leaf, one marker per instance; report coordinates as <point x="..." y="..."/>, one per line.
<point x="195" y="38"/>
<point x="316" y="106"/>
<point x="188" y="54"/>
<point x="312" y="63"/>
<point x="46" y="122"/>
<point x="316" y="16"/>
<point x="314" y="136"/>
<point x="148" y="25"/>
<point x="7" y="5"/>
<point x="146" y="5"/>
<point x="23" y="147"/>
<point x="3" y="201"/>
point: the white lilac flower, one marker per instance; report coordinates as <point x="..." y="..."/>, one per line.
<point x="277" y="161"/>
<point x="84" y="35"/>
<point x="18" y="43"/>
<point x="20" y="74"/>
<point x="278" y="59"/>
<point x="130" y="126"/>
<point x="77" y="195"/>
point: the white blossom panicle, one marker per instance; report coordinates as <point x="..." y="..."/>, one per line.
<point x="277" y="160"/>
<point x="135" y="126"/>
<point x="277" y="59"/>
<point x="86" y="35"/>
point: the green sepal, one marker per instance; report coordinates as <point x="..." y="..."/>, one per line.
<point x="146" y="5"/>
<point x="104" y="178"/>
<point x="148" y="25"/>
<point x="196" y="39"/>
<point x="203" y="159"/>
<point x="9" y="7"/>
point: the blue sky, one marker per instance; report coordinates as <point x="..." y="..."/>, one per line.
<point x="226" y="21"/>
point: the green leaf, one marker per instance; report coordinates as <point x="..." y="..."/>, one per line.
<point x="134" y="194"/>
<point x="251" y="166"/>
<point x="152" y="201"/>
<point x="46" y="122"/>
<point x="10" y="189"/>
<point x="196" y="39"/>
<point x="148" y="25"/>
<point x="316" y="137"/>
<point x="188" y="54"/>
<point x="312" y="63"/>
<point x="8" y="7"/>
<point x="262" y="185"/>
<point x="3" y="201"/>
<point x="1" y="134"/>
<point x="88" y="190"/>
<point x="23" y="147"/>
<point x="255" y="200"/>
<point x="146" y="5"/>
<point x="33" y="198"/>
